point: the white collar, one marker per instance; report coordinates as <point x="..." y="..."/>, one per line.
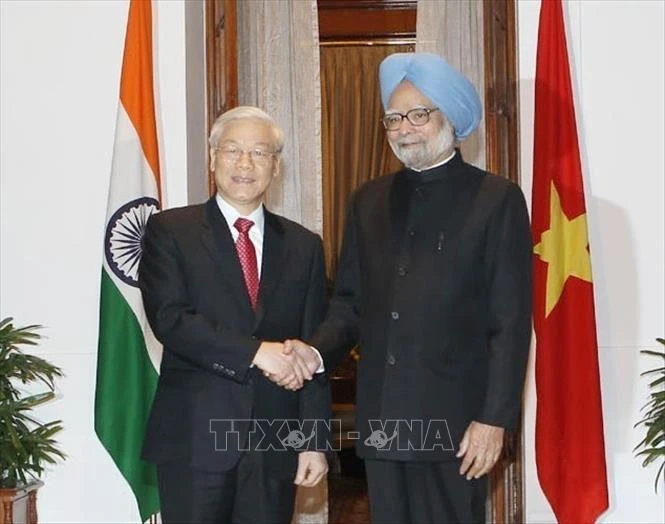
<point x="435" y="165"/>
<point x="231" y="214"/>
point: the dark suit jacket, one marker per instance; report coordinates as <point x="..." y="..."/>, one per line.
<point x="434" y="282"/>
<point x="198" y="307"/>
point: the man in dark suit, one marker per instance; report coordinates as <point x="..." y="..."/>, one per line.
<point x="434" y="285"/>
<point x="222" y="283"/>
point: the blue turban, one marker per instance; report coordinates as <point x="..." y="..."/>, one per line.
<point x="446" y="87"/>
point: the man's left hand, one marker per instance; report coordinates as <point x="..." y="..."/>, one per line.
<point x="481" y="448"/>
<point x="312" y="466"/>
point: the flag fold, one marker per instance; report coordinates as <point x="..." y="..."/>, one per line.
<point x="128" y="354"/>
<point x="570" y="450"/>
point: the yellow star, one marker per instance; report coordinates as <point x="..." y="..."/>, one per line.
<point x="564" y="247"/>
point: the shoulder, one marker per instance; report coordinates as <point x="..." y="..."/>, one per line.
<point x="292" y="229"/>
<point x="495" y="187"/>
<point x="178" y="218"/>
<point x="376" y="187"/>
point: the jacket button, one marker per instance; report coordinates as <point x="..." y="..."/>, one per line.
<point x="394" y="315"/>
<point x="412" y="233"/>
<point x="391" y="360"/>
<point x="402" y="271"/>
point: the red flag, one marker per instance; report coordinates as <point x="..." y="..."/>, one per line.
<point x="570" y="449"/>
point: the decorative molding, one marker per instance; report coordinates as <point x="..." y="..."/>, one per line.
<point x="221" y="26"/>
<point x="366" y="4"/>
<point x="368" y="42"/>
<point x="501" y="149"/>
<point x="366" y="20"/>
<point x="501" y="110"/>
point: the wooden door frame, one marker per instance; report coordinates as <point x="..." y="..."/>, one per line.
<point x="502" y="157"/>
<point x="221" y="48"/>
<point x="501" y="128"/>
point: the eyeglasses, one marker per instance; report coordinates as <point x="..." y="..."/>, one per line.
<point x="416" y="117"/>
<point x="231" y="154"/>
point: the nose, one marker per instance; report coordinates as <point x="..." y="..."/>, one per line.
<point x="245" y="159"/>
<point x="405" y="127"/>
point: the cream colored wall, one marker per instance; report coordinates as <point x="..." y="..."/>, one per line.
<point x="617" y="54"/>
<point x="60" y="72"/>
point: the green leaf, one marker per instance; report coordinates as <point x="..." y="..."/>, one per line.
<point x="652" y="446"/>
<point x="26" y="444"/>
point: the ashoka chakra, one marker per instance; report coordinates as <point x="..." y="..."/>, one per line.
<point x="122" y="244"/>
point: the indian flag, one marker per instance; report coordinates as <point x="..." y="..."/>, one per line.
<point x="128" y="353"/>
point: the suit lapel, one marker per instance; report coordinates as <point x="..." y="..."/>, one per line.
<point x="217" y="239"/>
<point x="272" y="266"/>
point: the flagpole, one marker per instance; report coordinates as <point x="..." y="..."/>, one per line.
<point x="128" y="353"/>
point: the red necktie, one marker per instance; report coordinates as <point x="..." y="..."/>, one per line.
<point x="247" y="256"/>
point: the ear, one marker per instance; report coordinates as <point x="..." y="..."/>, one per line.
<point x="213" y="158"/>
<point x="277" y="170"/>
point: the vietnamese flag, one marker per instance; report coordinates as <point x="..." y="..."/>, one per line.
<point x="570" y="449"/>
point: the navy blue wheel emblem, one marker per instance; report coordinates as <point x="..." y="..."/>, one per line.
<point x="122" y="243"/>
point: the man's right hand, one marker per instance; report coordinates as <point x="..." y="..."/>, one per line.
<point x="308" y="359"/>
<point x="279" y="366"/>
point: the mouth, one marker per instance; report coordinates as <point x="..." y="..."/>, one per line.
<point x="242" y="180"/>
<point x="408" y="144"/>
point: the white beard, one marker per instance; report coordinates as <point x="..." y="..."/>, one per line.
<point x="425" y="154"/>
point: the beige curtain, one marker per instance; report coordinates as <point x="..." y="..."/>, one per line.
<point x="354" y="146"/>
<point x="278" y="71"/>
<point x="455" y="31"/>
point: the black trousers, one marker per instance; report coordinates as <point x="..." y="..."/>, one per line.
<point x="246" y="494"/>
<point x="423" y="492"/>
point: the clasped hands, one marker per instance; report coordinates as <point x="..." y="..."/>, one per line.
<point x="288" y="364"/>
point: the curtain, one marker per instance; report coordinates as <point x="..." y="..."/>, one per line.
<point x="354" y="146"/>
<point x="455" y="31"/>
<point x="278" y="71"/>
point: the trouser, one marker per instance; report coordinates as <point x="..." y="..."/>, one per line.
<point x="245" y="494"/>
<point x="423" y="492"/>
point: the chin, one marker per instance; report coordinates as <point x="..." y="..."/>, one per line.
<point x="414" y="161"/>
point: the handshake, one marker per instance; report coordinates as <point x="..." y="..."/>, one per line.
<point x="288" y="364"/>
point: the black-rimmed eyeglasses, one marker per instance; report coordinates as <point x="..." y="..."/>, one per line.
<point x="416" y="117"/>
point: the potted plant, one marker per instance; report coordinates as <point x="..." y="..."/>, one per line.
<point x="652" y="446"/>
<point x="26" y="444"/>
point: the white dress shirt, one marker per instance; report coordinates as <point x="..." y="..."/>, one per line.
<point x="256" y="236"/>
<point x="256" y="231"/>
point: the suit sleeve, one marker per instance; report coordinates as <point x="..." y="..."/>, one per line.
<point x="508" y="280"/>
<point x="315" y="400"/>
<point x="338" y="333"/>
<point x="175" y="322"/>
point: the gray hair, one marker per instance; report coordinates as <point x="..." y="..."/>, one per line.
<point x="245" y="113"/>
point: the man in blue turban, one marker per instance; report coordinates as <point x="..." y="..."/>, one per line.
<point x="434" y="285"/>
<point x="444" y="86"/>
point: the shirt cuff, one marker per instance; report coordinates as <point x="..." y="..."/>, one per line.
<point x="321" y="367"/>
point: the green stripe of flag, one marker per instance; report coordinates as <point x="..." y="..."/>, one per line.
<point x="126" y="383"/>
